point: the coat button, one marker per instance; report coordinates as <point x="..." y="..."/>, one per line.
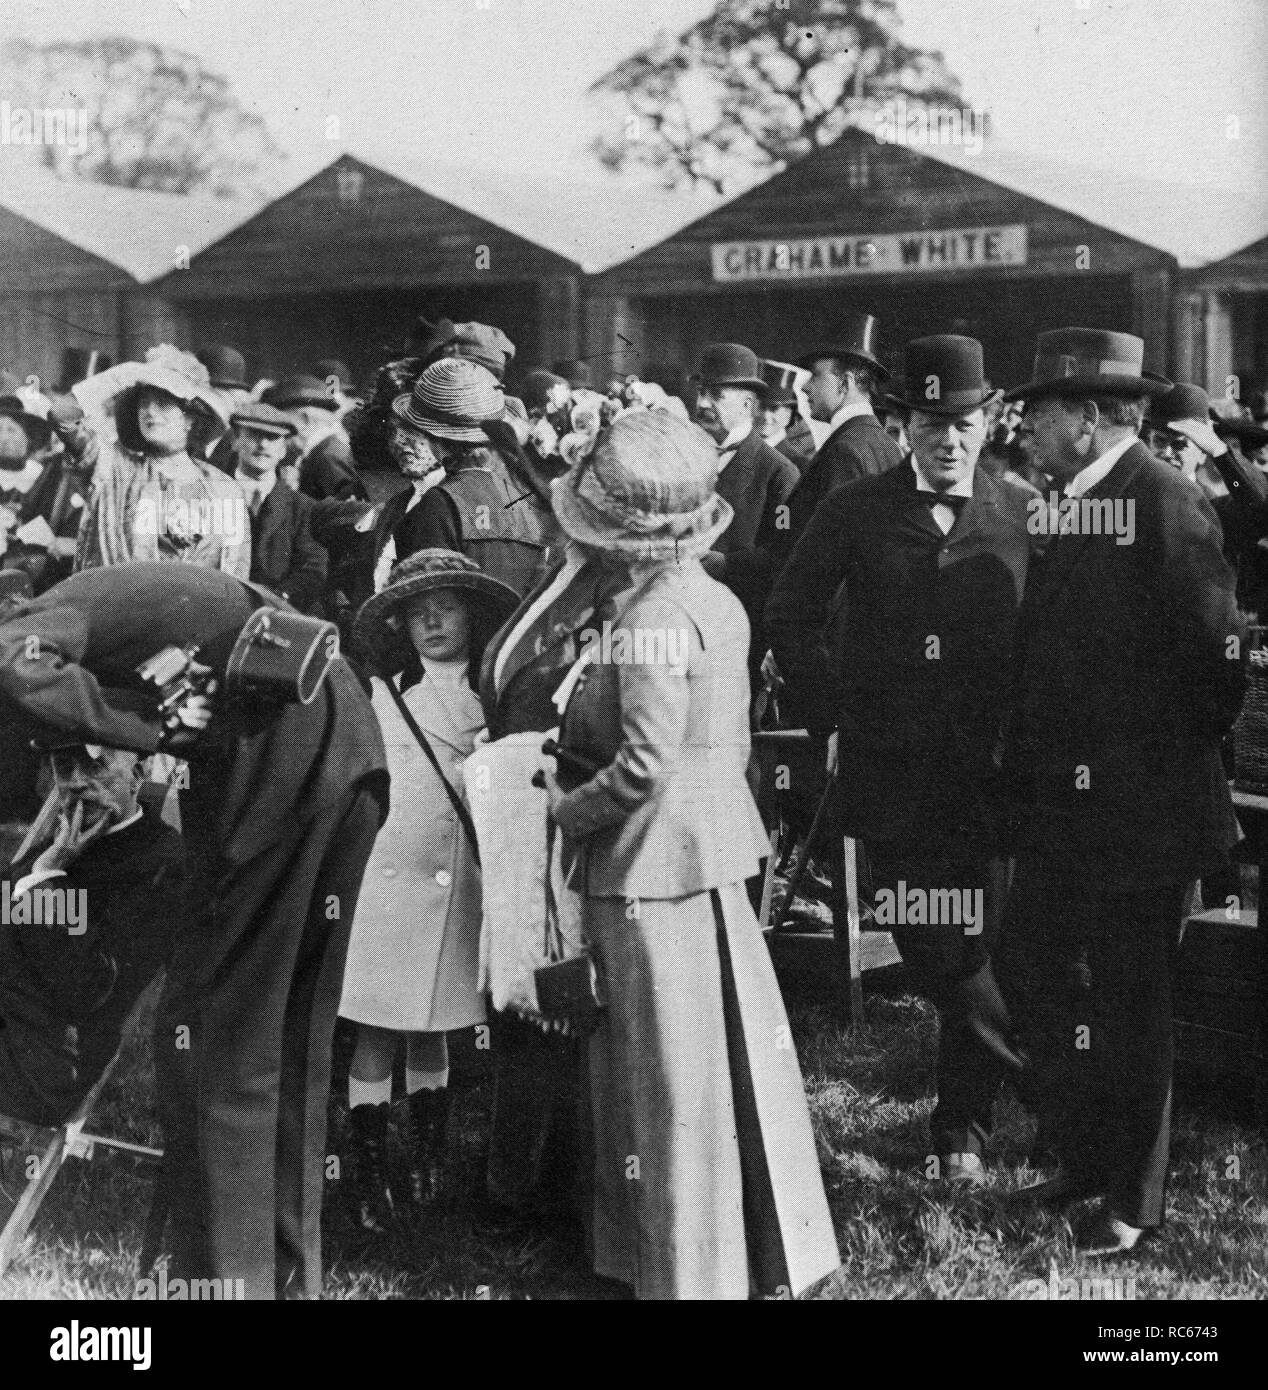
<point x="444" y="877"/>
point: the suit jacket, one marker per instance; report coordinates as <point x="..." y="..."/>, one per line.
<point x="917" y="682"/>
<point x="669" y="813"/>
<point x="858" y="448"/>
<point x="284" y="555"/>
<point x="68" y="661"/>
<point x="1126" y="680"/>
<point x="63" y="997"/>
<point x="757" y="483"/>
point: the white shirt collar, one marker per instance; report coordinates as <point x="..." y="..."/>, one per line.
<point x="737" y="437"/>
<point x="964" y="488"/>
<point x="253" y="486"/>
<point x="1096" y="471"/>
<point x="127" y="821"/>
<point x="848" y="412"/>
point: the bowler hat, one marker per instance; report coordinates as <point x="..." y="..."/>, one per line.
<point x="858" y="337"/>
<point x="1182" y="402"/>
<point x="226" y="366"/>
<point x="264" y="419"/>
<point x="37" y="428"/>
<point x="379" y="632"/>
<point x="1089" y="362"/>
<point x="452" y="399"/>
<point x="575" y="372"/>
<point x="943" y="375"/>
<point x="294" y="391"/>
<point x="780" y="379"/>
<point x="730" y="364"/>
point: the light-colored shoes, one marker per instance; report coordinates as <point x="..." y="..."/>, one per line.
<point x="1106" y="1236"/>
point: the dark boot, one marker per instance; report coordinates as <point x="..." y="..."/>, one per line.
<point x="427" y="1125"/>
<point x="370" y="1200"/>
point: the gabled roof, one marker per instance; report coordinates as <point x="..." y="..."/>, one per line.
<point x="135" y="230"/>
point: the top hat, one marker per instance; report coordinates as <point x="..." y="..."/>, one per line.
<point x="943" y="375"/>
<point x="37" y="428"/>
<point x="730" y="364"/>
<point x="481" y="343"/>
<point x="858" y="337"/>
<point x="452" y="399"/>
<point x="1089" y="362"/>
<point x="1182" y="402"/>
<point x="226" y="366"/>
<point x="648" y="490"/>
<point x="781" y="382"/>
<point x="264" y="419"/>
<point x="574" y="371"/>
<point x="300" y="390"/>
<point x="379" y="631"/>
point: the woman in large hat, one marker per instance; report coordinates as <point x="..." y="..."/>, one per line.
<point x="412" y="958"/>
<point x="693" y="1075"/>
<point x="153" y="495"/>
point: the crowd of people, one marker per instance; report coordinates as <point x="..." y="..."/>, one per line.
<point x="484" y="762"/>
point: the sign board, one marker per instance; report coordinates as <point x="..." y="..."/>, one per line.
<point x="888" y="253"/>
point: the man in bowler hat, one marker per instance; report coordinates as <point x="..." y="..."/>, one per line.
<point x="283" y="803"/>
<point x="755" y="479"/>
<point x="1129" y="670"/>
<point x="930" y="561"/>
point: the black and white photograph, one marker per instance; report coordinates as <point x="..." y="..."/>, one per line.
<point x="633" y="663"/>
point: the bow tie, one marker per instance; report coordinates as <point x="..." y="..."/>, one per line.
<point x="946" y="499"/>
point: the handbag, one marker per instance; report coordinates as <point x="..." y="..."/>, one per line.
<point x="459" y="806"/>
<point x="569" y="988"/>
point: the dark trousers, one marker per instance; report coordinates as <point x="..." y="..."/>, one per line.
<point x="940" y="956"/>
<point x="535" y="1145"/>
<point x="243" y="1049"/>
<point x="1088" y="977"/>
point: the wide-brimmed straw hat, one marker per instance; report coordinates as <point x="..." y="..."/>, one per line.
<point x="168" y="369"/>
<point x="647" y="491"/>
<point x="451" y="400"/>
<point x="379" y="633"/>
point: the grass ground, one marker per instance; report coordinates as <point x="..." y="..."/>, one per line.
<point x="901" y="1235"/>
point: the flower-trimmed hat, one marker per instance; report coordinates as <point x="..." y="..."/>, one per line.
<point x="168" y="369"/>
<point x="379" y="632"/>
<point x="647" y="490"/>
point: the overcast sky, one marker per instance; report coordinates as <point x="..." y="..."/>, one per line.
<point x="1143" y="84"/>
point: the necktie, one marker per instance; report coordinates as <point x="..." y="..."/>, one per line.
<point x="945" y="499"/>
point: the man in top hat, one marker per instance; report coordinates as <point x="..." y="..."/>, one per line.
<point x="782" y="426"/>
<point x="284" y="555"/>
<point x="321" y="447"/>
<point x="925" y="565"/>
<point x="281" y="809"/>
<point x="844" y="375"/>
<point x="1129" y="670"/>
<point x="752" y="477"/>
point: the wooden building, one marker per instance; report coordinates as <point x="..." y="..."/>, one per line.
<point x="76" y="262"/>
<point x="1225" y="305"/>
<point x="928" y="239"/>
<point x="344" y="264"/>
